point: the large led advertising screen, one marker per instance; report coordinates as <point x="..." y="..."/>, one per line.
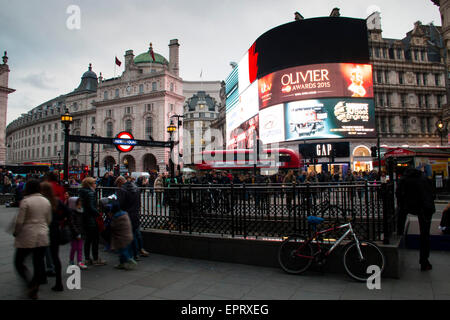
<point x="308" y="79"/>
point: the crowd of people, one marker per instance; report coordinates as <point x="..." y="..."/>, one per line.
<point x="49" y="217"/>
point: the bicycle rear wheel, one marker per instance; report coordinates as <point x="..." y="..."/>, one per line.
<point x="295" y="254"/>
<point x="357" y="267"/>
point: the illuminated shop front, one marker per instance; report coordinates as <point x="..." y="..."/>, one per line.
<point x="362" y="159"/>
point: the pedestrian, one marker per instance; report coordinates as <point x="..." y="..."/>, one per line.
<point x="129" y="198"/>
<point x="76" y="245"/>
<point x="32" y="235"/>
<point x="416" y="196"/>
<point x="60" y="217"/>
<point x="121" y="235"/>
<point x="90" y="217"/>
<point x="159" y="189"/>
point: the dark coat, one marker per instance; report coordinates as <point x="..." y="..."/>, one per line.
<point x="121" y="233"/>
<point x="90" y="212"/>
<point x="130" y="201"/>
<point x="415" y="193"/>
<point x="76" y="218"/>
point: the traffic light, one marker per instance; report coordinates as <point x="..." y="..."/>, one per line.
<point x="374" y="150"/>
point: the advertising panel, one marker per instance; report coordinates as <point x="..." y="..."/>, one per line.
<point x="271" y="124"/>
<point x="316" y="81"/>
<point x="242" y="136"/>
<point x="246" y="108"/>
<point x="329" y="118"/>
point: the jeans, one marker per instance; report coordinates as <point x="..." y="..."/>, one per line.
<point x="137" y="243"/>
<point x="76" y="246"/>
<point x="424" y="225"/>
<point x="92" y="240"/>
<point x="38" y="265"/>
<point x="125" y="253"/>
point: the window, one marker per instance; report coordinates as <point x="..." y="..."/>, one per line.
<point x="419" y="100"/>
<point x="405" y="124"/>
<point x="416" y="55"/>
<point x="49" y="138"/>
<point x="37" y="153"/>
<point x="424" y="79"/>
<point x="437" y="79"/>
<point x="48" y="152"/>
<point x="148" y="127"/>
<point x="149" y="107"/>
<point x="427" y="101"/>
<point x="43" y="151"/>
<point x="109" y="129"/>
<point x="128" y="110"/>
<point x="439" y="101"/>
<point x="128" y="125"/>
<point x="418" y="78"/>
<point x="423" y="128"/>
<point x="171" y="107"/>
<point x="400" y="77"/>
<point x="379" y="77"/>
<point x="117" y="93"/>
<point x="141" y="88"/>
<point x="153" y="86"/>
<point x="105" y="95"/>
<point x="171" y="86"/>
<point x="92" y="120"/>
<point x="109" y="113"/>
<point x="403" y="100"/>
<point x="56" y="137"/>
<point x="55" y="151"/>
<point x="386" y="76"/>
<point x="377" y="52"/>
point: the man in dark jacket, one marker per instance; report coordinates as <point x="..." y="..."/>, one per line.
<point x="415" y="196"/>
<point x="129" y="198"/>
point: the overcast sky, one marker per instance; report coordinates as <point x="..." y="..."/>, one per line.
<point x="47" y="59"/>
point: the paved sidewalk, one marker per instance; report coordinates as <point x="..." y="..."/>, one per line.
<point x="160" y="277"/>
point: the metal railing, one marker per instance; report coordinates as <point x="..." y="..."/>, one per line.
<point x="267" y="211"/>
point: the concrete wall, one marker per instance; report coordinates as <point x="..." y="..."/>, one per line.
<point x="252" y="252"/>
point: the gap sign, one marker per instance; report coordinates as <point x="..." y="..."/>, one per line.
<point x="124" y="142"/>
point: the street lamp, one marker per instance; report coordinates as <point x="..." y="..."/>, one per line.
<point x="171" y="128"/>
<point x="179" y="124"/>
<point x="92" y="152"/>
<point x="441" y="128"/>
<point x="66" y="120"/>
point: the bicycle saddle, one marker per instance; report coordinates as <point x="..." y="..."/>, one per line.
<point x="315" y="220"/>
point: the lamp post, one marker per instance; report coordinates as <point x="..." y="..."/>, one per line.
<point x="92" y="152"/>
<point x="441" y="128"/>
<point x="66" y="120"/>
<point x="179" y="124"/>
<point x="171" y="128"/>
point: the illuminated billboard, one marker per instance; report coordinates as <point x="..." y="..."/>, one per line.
<point x="316" y="81"/>
<point x="308" y="79"/>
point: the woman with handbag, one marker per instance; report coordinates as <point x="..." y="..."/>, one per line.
<point x="91" y="222"/>
<point x="31" y="233"/>
<point x="59" y="230"/>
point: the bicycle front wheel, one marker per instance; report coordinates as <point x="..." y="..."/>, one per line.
<point x="356" y="267"/>
<point x="295" y="254"/>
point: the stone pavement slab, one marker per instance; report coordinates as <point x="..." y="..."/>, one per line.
<point x="161" y="277"/>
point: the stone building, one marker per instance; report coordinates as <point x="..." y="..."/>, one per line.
<point x="142" y="100"/>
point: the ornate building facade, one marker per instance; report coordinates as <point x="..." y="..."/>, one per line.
<point x="143" y="100"/>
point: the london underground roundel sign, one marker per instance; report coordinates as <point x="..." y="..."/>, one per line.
<point x="124" y="141"/>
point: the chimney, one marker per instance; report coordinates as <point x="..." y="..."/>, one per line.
<point x="174" y="56"/>
<point x="129" y="59"/>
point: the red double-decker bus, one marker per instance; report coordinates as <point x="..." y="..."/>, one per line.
<point x="239" y="160"/>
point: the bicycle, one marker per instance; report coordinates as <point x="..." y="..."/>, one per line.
<point x="296" y="254"/>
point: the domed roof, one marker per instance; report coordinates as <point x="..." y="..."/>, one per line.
<point x="89" y="73"/>
<point x="146" y="57"/>
<point x="88" y="81"/>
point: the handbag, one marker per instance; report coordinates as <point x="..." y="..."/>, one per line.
<point x="100" y="223"/>
<point x="65" y="234"/>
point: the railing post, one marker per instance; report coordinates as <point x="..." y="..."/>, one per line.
<point x="386" y="229"/>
